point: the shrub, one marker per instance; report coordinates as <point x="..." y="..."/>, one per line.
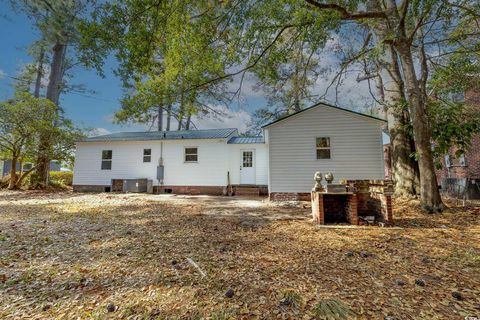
<point x="4" y="181"/>
<point x="332" y="309"/>
<point x="61" y="178"/>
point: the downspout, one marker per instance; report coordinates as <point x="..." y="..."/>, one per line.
<point x="161" y="167"/>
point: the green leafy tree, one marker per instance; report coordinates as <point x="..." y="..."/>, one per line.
<point x="162" y="48"/>
<point x="57" y="23"/>
<point x="256" y="36"/>
<point x="405" y="27"/>
<point x="22" y="125"/>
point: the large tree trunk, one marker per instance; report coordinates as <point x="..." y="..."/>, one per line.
<point x="180" y="121"/>
<point x="169" y="116"/>
<point x="181" y="110"/>
<point x="40" y="176"/>
<point x="403" y="165"/>
<point x="38" y="80"/>
<point x="22" y="177"/>
<point x="188" y="121"/>
<point x="13" y="173"/>
<point x="160" y="118"/>
<point x="429" y="194"/>
<point x="393" y="99"/>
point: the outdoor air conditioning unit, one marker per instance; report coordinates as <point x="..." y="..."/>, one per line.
<point x="135" y="185"/>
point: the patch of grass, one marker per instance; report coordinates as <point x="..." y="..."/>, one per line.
<point x="227" y="314"/>
<point x="468" y="257"/>
<point x="332" y="309"/>
<point x="291" y="299"/>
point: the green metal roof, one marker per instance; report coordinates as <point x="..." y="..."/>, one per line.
<point x="165" y="135"/>
<point x="246" y="140"/>
<point x="326" y="105"/>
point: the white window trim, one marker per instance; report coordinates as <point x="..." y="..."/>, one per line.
<point x="185" y="154"/>
<point x="315" y="148"/>
<point x="111" y="160"/>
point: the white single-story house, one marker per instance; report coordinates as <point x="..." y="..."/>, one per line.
<point x="6" y="166"/>
<point x="282" y="161"/>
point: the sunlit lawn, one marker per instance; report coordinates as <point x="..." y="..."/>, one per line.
<point x="125" y="256"/>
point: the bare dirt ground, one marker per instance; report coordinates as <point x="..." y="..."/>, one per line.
<point x="108" y="256"/>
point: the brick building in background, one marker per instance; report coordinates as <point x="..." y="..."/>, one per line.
<point x="461" y="176"/>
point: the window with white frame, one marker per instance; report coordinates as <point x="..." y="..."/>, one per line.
<point x="107" y="160"/>
<point x="323" y="148"/>
<point x="191" y="154"/>
<point x="147" y="155"/>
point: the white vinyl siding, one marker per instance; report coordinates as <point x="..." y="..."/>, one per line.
<point x="128" y="163"/>
<point x="260" y="162"/>
<point x="355" y="146"/>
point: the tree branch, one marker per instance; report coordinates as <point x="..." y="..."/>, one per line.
<point x="344" y="14"/>
<point x="250" y="66"/>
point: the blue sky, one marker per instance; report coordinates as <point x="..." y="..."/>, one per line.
<point x="96" y="110"/>
<point x="17" y="34"/>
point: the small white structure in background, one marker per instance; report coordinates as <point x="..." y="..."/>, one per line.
<point x="320" y="138"/>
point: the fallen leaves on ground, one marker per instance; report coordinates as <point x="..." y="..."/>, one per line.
<point x="69" y="255"/>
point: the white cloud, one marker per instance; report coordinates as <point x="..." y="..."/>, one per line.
<point x="45" y="74"/>
<point x="349" y="94"/>
<point x="249" y="86"/>
<point x="98" y="132"/>
<point x="228" y="119"/>
<point x="2" y="73"/>
<point x="223" y="118"/>
<point x="109" y="118"/>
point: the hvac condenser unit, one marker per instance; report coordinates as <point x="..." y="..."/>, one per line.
<point x="135" y="185"/>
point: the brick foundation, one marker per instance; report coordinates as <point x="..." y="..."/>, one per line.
<point x="289" y="196"/>
<point x="263" y="190"/>
<point x="90" y="188"/>
<point x="191" y="190"/>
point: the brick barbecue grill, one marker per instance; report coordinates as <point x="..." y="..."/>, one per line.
<point x="352" y="201"/>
